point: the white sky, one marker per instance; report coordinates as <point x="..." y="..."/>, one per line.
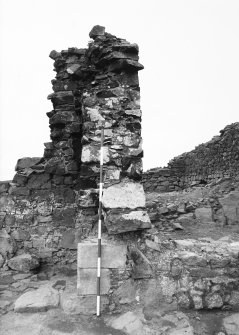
<point x="189" y="87"/>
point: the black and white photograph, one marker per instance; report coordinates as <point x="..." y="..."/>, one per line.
<point x="119" y="167"/>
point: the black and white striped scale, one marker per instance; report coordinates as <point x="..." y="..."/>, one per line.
<point x="100" y="219"/>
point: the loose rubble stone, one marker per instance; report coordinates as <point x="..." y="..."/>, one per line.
<point x="214" y="301"/>
<point x="97" y="31"/>
<point x="231" y="324"/>
<point x="7" y="244"/>
<point x="129" y="323"/>
<point x="39" y="300"/>
<point x="23" y="263"/>
<point x="126" y="293"/>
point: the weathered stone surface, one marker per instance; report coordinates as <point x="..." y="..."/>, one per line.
<point x="97" y="31"/>
<point x="125" y="65"/>
<point x="39" y="181"/>
<point x="214" y="300"/>
<point x="230" y="207"/>
<point x="91" y="153"/>
<point x="4" y="186"/>
<point x="208" y="162"/>
<point x="64" y="216"/>
<point x="68" y="240"/>
<point x="124" y="195"/>
<point x="39" y="300"/>
<point x="63" y="117"/>
<point x="27" y="162"/>
<point x="86" y="281"/>
<point x="7" y="204"/>
<point x="54" y="54"/>
<point x="1" y="260"/>
<point x="129" y="323"/>
<point x="23" y="263"/>
<point x="119" y="221"/>
<point x="135" y="112"/>
<point x="231" y="324"/>
<point x="142" y="267"/>
<point x="71" y="303"/>
<point x="61" y="98"/>
<point x="126" y="293"/>
<point x="21" y="191"/>
<point x="234" y="299"/>
<point x="20" y="235"/>
<point x="73" y="69"/>
<point x="204" y="214"/>
<point x="112" y="256"/>
<point x="152" y="245"/>
<point x="7" y="244"/>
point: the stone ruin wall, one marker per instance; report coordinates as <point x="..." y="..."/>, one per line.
<point x="208" y="162"/>
<point x="52" y="201"/>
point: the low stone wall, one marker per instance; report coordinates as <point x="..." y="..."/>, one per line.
<point x="208" y="162"/>
<point x="198" y="274"/>
<point x="43" y="223"/>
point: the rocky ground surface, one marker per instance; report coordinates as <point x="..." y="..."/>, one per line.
<point x="134" y="322"/>
<point x="45" y="303"/>
<point x="36" y="304"/>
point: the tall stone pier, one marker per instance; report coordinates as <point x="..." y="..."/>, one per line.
<point x="52" y="202"/>
<point x="95" y="86"/>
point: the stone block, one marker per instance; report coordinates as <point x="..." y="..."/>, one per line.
<point x="213" y="300"/>
<point x="119" y="221"/>
<point x="97" y="31"/>
<point x="61" y="98"/>
<point x="4" y="186"/>
<point x="91" y="153"/>
<point x="7" y="245"/>
<point x="126" y="65"/>
<point x="27" y="162"/>
<point x="141" y="266"/>
<point x="64" y="216"/>
<point x="234" y="299"/>
<point x="20" y="234"/>
<point x="63" y="117"/>
<point x="124" y="195"/>
<point x="39" y="181"/>
<point x="68" y="240"/>
<point x="87" y="280"/>
<point x="40" y="300"/>
<point x="128" y="323"/>
<point x="112" y="256"/>
<point x="23" y="263"/>
<point x="1" y="260"/>
<point x="230" y="207"/>
<point x="19" y="191"/>
<point x="231" y="324"/>
<point x="204" y="215"/>
<point x="126" y="293"/>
